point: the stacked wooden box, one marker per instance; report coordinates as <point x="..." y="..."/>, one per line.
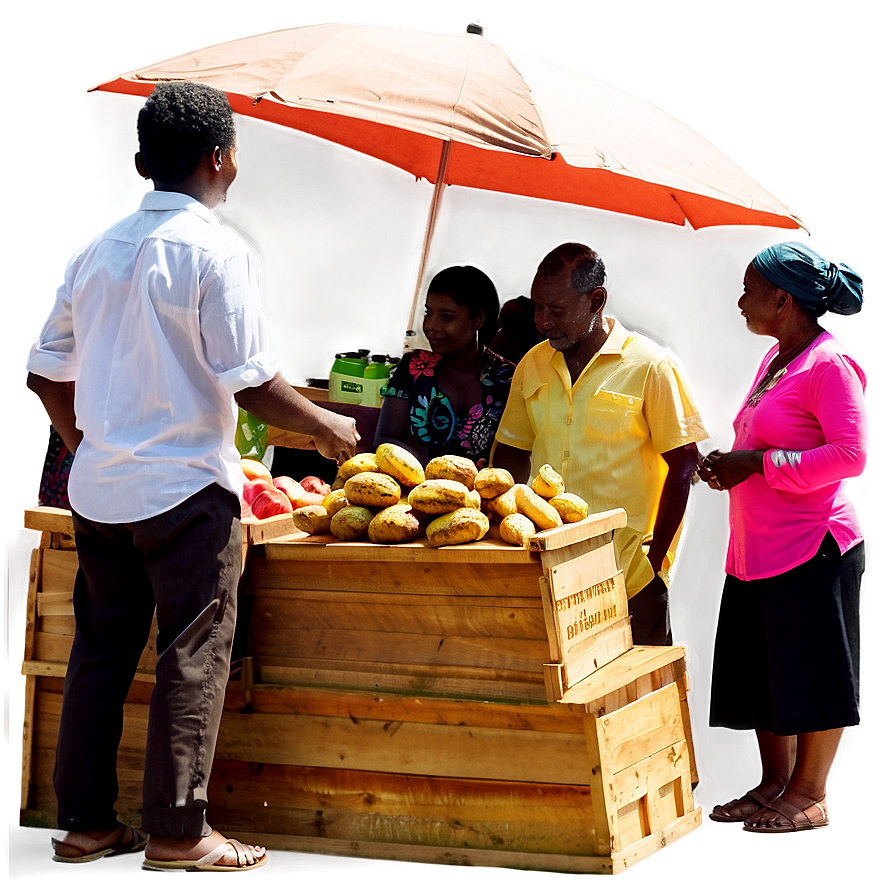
<point x="479" y="704"/>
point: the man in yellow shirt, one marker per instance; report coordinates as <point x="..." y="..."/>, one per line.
<point x="610" y="410"/>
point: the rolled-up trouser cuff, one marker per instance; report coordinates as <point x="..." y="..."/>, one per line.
<point x="179" y="821"/>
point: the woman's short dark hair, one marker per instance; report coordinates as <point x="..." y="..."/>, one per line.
<point x="472" y="289"/>
<point x="178" y="124"/>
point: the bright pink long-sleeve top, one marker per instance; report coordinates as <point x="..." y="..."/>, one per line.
<point x="812" y="426"/>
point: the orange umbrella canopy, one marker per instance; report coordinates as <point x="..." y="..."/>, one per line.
<point x="457" y="109"/>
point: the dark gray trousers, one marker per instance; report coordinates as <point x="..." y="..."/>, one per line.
<point x="185" y="565"/>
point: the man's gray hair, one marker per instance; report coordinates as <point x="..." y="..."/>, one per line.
<point x="586" y="267"/>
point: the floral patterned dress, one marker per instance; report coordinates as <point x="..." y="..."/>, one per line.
<point x="434" y="422"/>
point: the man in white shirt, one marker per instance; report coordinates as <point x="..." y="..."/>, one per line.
<point x="157" y="334"/>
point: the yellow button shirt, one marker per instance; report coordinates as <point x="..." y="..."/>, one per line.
<point x="605" y="433"/>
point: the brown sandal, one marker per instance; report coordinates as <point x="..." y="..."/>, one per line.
<point x="131" y="840"/>
<point x="722" y="813"/>
<point x="799" y="820"/>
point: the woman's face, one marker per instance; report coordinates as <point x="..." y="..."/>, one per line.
<point x="759" y="303"/>
<point x="449" y="327"/>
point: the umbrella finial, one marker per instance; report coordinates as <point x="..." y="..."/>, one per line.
<point x="474" y="28"/>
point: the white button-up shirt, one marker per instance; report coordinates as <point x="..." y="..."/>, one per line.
<point x="159" y="322"/>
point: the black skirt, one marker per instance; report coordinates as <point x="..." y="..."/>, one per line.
<point x="787" y="647"/>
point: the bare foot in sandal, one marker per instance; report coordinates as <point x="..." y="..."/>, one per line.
<point x="86" y="846"/>
<point x="212" y="853"/>
<point x="783" y="817"/>
<point x="742" y="808"/>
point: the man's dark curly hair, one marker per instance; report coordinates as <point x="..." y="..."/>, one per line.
<point x="178" y="124"/>
<point x="587" y="270"/>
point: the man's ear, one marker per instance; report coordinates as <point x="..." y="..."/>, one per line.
<point x="598" y="299"/>
<point x="217" y="158"/>
<point x="140" y="165"/>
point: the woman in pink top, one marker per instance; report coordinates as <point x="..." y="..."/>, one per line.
<point x="786" y="661"/>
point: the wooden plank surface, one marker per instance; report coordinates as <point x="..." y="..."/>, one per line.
<point x="31" y="604"/>
<point x="466" y="682"/>
<point x="377" y="611"/>
<point x="602" y="648"/>
<point x="402" y="809"/>
<point x="272" y="639"/>
<point x="324" y="547"/>
<point x="49" y="519"/>
<point x="650" y="774"/>
<point x="58" y="570"/>
<point x="595" y="524"/>
<point x="393" y="576"/>
<point x="394" y="707"/>
<point x="632" y="665"/>
<point x="642" y="728"/>
<point x="411" y="748"/>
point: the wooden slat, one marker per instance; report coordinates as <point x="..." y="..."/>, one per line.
<point x="49" y="519"/>
<point x="393" y="577"/>
<point x="57" y="625"/>
<point x="52" y="648"/>
<point x="632" y="665"/>
<point x="393" y="708"/>
<point x="27" y="741"/>
<point x="408" y="809"/>
<point x="606" y="829"/>
<point x="55" y="603"/>
<point x="637" y="852"/>
<point x="31" y="605"/>
<point x="323" y="548"/>
<point x="577" y="549"/>
<point x="383" y="613"/>
<point x="575" y="575"/>
<point x="650" y="775"/>
<point x="595" y="524"/>
<point x="439" y="855"/>
<point x="395" y="648"/>
<point x="608" y="644"/>
<point x="642" y="728"/>
<point x="405" y="748"/>
<point x="578" y="620"/>
<point x="58" y="570"/>
<point x="262" y="531"/>
<point x="490" y="684"/>
<point x="382" y="601"/>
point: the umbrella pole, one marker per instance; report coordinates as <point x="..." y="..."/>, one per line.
<point x="430" y="228"/>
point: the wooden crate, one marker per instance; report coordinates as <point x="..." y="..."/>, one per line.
<point x="486" y="619"/>
<point x="480" y="704"/>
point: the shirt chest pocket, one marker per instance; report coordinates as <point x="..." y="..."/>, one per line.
<point x="615" y="414"/>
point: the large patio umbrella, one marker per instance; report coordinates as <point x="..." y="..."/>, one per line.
<point x="456" y="109"/>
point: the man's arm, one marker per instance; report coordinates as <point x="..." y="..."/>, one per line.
<point x="277" y="403"/>
<point x="516" y="461"/>
<point x="682" y="463"/>
<point x="58" y="399"/>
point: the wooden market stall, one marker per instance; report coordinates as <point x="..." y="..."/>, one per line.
<point x="477" y="704"/>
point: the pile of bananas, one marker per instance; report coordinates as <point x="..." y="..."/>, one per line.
<point x="388" y="497"/>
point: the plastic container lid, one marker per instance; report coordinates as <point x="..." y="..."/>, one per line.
<point x="349" y="366"/>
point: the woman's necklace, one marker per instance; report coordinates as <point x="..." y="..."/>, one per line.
<point x="776" y="370"/>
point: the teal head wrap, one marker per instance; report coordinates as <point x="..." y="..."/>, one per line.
<point x="817" y="284"/>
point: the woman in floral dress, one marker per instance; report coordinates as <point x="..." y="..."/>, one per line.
<point x="449" y="400"/>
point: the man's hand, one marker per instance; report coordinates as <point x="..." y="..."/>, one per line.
<point x="340" y="440"/>
<point x="277" y="403"/>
